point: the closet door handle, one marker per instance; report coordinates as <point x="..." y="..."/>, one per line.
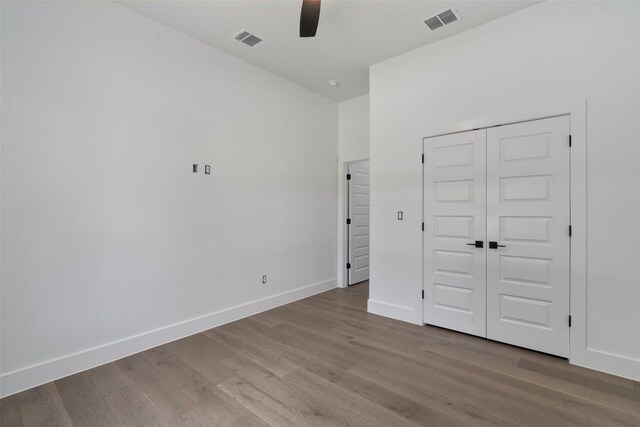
<point x="495" y="245"/>
<point x="477" y="244"/>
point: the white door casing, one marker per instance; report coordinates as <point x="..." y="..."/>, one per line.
<point x="359" y="218"/>
<point x="455" y="217"/>
<point x="528" y="212"/>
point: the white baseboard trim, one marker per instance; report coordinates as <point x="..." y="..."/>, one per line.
<point x="398" y="312"/>
<point x="35" y="375"/>
<point x="615" y="364"/>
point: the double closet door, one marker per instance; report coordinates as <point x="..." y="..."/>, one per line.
<point x="496" y="237"/>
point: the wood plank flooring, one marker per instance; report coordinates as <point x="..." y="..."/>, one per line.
<point x="325" y="361"/>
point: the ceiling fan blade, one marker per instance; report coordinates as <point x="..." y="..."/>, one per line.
<point x="309" y="17"/>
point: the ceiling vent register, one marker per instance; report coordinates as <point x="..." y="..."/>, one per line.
<point x="250" y="40"/>
<point x="441" y="19"/>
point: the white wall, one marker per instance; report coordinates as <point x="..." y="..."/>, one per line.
<point x="554" y="51"/>
<point x="109" y="243"/>
<point x="353" y="129"/>
<point x="353" y="144"/>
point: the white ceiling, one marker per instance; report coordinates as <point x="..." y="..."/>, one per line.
<point x="351" y="35"/>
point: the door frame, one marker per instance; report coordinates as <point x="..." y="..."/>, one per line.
<point x="576" y="109"/>
<point x="342" y="225"/>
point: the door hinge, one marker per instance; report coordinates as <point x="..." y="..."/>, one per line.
<point x="569" y="140"/>
<point x="423" y="226"/>
<point x="569" y="320"/>
<point x="423" y="158"/>
<point x="570" y="231"/>
<point x="348" y="265"/>
<point x="348" y="176"/>
<point x="348" y="220"/>
<point x="423" y="294"/>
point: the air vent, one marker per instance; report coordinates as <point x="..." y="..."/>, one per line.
<point x="251" y="40"/>
<point x="441" y="19"/>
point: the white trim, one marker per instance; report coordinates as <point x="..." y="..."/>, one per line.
<point x="610" y="363"/>
<point x="343" y="231"/>
<point x="398" y="312"/>
<point x="580" y="352"/>
<point x="32" y="376"/>
<point x="418" y="241"/>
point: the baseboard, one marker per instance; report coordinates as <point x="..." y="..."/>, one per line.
<point x="35" y="375"/>
<point x="610" y="363"/>
<point x="398" y="312"/>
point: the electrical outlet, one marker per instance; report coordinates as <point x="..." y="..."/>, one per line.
<point x="195" y="168"/>
<point x="207" y="169"/>
<point x="264" y="279"/>
<point x="400" y="215"/>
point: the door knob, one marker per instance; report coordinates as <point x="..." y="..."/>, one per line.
<point x="477" y="244"/>
<point x="495" y="245"/>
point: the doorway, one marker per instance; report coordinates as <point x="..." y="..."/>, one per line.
<point x="357" y="222"/>
<point x="497" y="233"/>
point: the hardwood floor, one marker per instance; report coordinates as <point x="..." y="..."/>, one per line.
<point x="325" y="361"/>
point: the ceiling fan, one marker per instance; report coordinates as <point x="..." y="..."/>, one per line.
<point x="309" y="17"/>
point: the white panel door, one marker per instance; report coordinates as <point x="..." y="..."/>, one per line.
<point x="359" y="227"/>
<point x="455" y="217"/>
<point x="528" y="200"/>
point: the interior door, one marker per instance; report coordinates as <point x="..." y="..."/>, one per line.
<point x="455" y="218"/>
<point x="359" y="218"/>
<point x="528" y="218"/>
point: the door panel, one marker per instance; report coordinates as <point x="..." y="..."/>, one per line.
<point x="528" y="201"/>
<point x="359" y="228"/>
<point x="455" y="215"/>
